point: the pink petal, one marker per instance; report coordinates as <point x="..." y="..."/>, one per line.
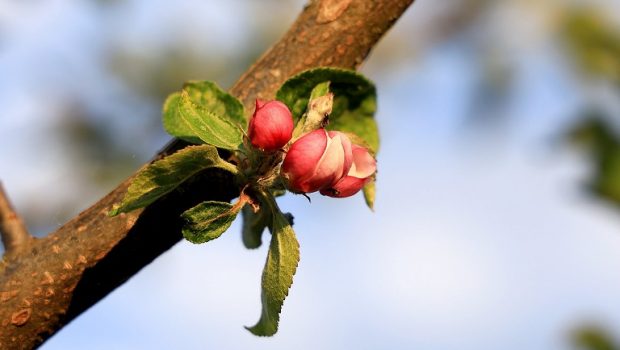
<point x="323" y="174"/>
<point x="346" y="187"/>
<point x="364" y="164"/>
<point x="303" y="157"/>
<point x="347" y="148"/>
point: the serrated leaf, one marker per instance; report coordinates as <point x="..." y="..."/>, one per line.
<point x="253" y="226"/>
<point x="210" y="97"/>
<point x="369" y="194"/>
<point x="278" y="273"/>
<point x="208" y="220"/>
<point x="173" y="124"/>
<point x="160" y="177"/>
<point x="217" y="101"/>
<point x="209" y="127"/>
<point x="354" y="100"/>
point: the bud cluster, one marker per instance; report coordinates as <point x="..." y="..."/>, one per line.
<point x="320" y="160"/>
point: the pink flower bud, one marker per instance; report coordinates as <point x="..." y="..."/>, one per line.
<point x="317" y="160"/>
<point x="361" y="172"/>
<point x="271" y="126"/>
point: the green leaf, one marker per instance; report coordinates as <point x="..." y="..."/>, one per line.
<point x="217" y="101"/>
<point x="280" y="267"/>
<point x="209" y="127"/>
<point x="253" y="226"/>
<point x="163" y="176"/>
<point x="208" y="220"/>
<point x="173" y="124"/>
<point x="204" y="112"/>
<point x="319" y="90"/>
<point x="369" y="194"/>
<point x="354" y="100"/>
<point x="356" y="119"/>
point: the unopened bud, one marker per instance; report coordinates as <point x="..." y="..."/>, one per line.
<point x="271" y="125"/>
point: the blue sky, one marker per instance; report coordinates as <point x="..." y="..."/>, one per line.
<point x="481" y="239"/>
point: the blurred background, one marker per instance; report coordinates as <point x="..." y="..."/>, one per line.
<point x="497" y="222"/>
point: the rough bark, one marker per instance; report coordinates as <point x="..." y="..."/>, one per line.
<point x="56" y="278"/>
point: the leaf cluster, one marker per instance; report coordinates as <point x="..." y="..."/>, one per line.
<point x="209" y="118"/>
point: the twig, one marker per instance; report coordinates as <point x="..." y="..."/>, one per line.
<point x="12" y="229"/>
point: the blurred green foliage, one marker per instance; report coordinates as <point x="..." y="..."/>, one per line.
<point x="593" y="338"/>
<point x="99" y="156"/>
<point x="594" y="43"/>
<point x="595" y="135"/>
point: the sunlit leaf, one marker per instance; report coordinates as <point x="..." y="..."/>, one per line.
<point x="160" y="177"/>
<point x="280" y="267"/>
<point x="208" y="220"/>
<point x="354" y="100"/>
<point x="217" y="101"/>
<point x="202" y="112"/>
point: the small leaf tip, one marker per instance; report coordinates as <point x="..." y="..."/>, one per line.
<point x="260" y="331"/>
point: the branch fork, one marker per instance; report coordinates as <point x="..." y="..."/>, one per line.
<point x="14" y="234"/>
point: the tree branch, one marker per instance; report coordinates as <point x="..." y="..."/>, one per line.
<point x="63" y="274"/>
<point x="15" y="236"/>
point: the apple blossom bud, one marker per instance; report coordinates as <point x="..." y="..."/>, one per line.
<point x="361" y="172"/>
<point x="271" y="125"/>
<point x="316" y="161"/>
